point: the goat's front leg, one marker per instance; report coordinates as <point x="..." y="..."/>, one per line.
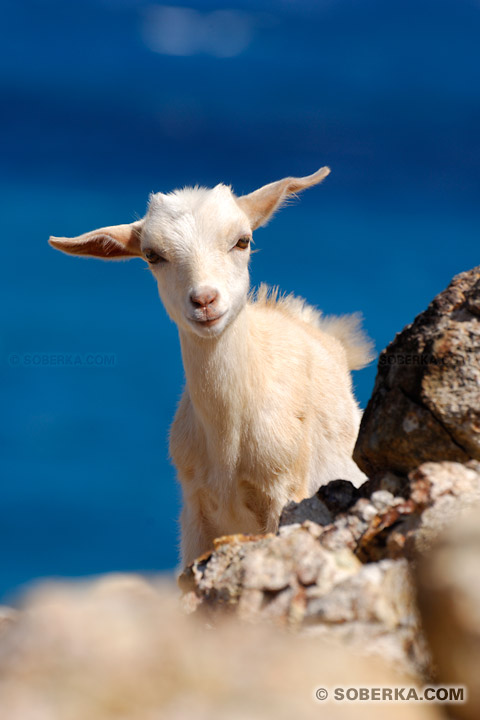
<point x="196" y="538"/>
<point x="285" y="489"/>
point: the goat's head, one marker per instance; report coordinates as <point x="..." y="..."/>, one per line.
<point x="197" y="244"/>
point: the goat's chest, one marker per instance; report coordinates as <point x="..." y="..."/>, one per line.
<point x="258" y="445"/>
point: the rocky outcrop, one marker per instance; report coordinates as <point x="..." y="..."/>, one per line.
<point x="399" y="521"/>
<point x="292" y="580"/>
<point x="425" y="404"/>
<point x="347" y="575"/>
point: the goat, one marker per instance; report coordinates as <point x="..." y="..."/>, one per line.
<point x="267" y="414"/>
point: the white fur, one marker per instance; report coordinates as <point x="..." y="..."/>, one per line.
<point x="267" y="414"/>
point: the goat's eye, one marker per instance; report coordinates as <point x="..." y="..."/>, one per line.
<point x="243" y="243"/>
<point x="152" y="257"/>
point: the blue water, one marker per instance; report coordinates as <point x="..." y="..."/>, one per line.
<point x="105" y="101"/>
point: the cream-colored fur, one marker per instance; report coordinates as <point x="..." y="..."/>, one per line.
<point x="267" y="414"/>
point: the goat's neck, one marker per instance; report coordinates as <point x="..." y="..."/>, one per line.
<point x="216" y="370"/>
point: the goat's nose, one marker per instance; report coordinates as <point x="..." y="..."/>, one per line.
<point x="203" y="297"/>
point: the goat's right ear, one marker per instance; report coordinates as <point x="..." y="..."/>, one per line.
<point x="110" y="243"/>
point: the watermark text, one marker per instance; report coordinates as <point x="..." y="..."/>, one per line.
<point x="428" y="693"/>
<point x="61" y="359"/>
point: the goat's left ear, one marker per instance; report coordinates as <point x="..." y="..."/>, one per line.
<point x="118" y="241"/>
<point x="260" y="205"/>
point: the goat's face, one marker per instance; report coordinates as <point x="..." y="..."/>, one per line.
<point x="197" y="243"/>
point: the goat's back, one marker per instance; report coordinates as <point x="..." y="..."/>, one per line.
<point x="347" y="329"/>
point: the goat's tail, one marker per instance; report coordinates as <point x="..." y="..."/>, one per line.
<point x="348" y="330"/>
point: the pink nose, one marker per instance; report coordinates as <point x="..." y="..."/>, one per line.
<point x="203" y="297"/>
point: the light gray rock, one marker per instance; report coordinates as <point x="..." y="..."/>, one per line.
<point x="348" y="579"/>
<point x="443" y="494"/>
<point x="294" y="580"/>
<point x="382" y="499"/>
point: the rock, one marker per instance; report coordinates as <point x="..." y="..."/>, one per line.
<point x="374" y="611"/>
<point x="425" y="404"/>
<point x="338" y="495"/>
<point x="241" y="571"/>
<point x="120" y="648"/>
<point x="448" y="581"/>
<point x="309" y="509"/>
<point x="395" y="484"/>
<point x="439" y="494"/>
<point x="294" y="580"/>
<point x="207" y="570"/>
<point x="348" y="579"/>
<point x="382" y="499"/>
<point x="443" y="494"/>
<point x="381" y="525"/>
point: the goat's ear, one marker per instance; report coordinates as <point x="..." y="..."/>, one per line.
<point x="260" y="205"/>
<point x="118" y="241"/>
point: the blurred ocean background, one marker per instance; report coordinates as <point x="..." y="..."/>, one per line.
<point x="105" y="101"/>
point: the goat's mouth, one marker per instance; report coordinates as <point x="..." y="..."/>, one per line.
<point x="207" y="321"/>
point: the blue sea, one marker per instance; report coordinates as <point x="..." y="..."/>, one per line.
<point x="105" y="101"/>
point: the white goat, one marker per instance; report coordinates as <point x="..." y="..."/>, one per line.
<point x="267" y="414"/>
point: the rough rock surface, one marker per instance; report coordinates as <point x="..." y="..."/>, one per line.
<point x="425" y="404"/>
<point x="385" y="524"/>
<point x="346" y="575"/>
<point x="120" y="649"/>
